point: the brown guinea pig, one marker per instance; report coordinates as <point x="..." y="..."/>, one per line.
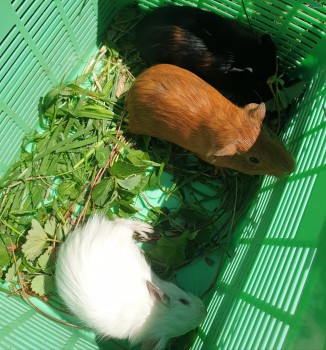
<point x="175" y="105"/>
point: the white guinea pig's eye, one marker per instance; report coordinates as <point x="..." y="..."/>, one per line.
<point x="184" y="301"/>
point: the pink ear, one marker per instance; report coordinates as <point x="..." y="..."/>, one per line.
<point x="157" y="294"/>
<point x="256" y="111"/>
<point x="228" y="150"/>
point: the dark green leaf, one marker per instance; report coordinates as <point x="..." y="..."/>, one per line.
<point x="170" y="251"/>
<point x="103" y="191"/>
<point x="283" y="100"/>
<point x="294" y="91"/>
<point x="126" y="209"/>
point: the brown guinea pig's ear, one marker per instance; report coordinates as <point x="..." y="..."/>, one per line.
<point x="157" y="294"/>
<point x="256" y="111"/>
<point x="228" y="150"/>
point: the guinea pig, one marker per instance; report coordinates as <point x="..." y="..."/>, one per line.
<point x="105" y="280"/>
<point x="173" y="104"/>
<point x="223" y="52"/>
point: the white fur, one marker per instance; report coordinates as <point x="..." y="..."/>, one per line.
<point x="101" y="275"/>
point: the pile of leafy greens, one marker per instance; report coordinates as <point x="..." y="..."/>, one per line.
<point x="82" y="159"/>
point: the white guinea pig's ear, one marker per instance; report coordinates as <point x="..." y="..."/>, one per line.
<point x="256" y="111"/>
<point x="157" y="294"/>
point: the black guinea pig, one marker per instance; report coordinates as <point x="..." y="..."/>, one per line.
<point x="223" y="52"/>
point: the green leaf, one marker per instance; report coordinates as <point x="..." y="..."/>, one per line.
<point x="58" y="211"/>
<point x="126" y="209"/>
<point x="122" y="169"/>
<point x="43" y="284"/>
<point x="95" y="112"/>
<point x="66" y="228"/>
<point x="131" y="182"/>
<point x="103" y="191"/>
<point x="46" y="261"/>
<point x="35" y="241"/>
<point x="4" y="254"/>
<point x="294" y="91"/>
<point x="50" y="98"/>
<point x="286" y="95"/>
<point x="11" y="273"/>
<point x="66" y="142"/>
<point x="140" y="158"/>
<point x="67" y="189"/>
<point x="281" y="82"/>
<point x="283" y="99"/>
<point x="59" y="232"/>
<point x="25" y="174"/>
<point x="37" y="194"/>
<point x="170" y="250"/>
<point x="77" y="144"/>
<point x="16" y="204"/>
<point x="271" y="105"/>
<point x="102" y="156"/>
<point x="49" y="227"/>
<point x="137" y="157"/>
<point x="107" y="87"/>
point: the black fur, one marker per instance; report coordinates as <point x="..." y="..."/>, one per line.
<point x="219" y="50"/>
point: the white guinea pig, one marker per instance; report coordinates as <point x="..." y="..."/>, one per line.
<point x="105" y="280"/>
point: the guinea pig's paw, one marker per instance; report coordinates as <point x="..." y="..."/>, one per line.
<point x="142" y="228"/>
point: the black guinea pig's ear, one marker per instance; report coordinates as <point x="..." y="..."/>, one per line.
<point x="256" y="111"/>
<point x="157" y="294"/>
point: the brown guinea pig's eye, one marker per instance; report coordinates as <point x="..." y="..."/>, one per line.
<point x="254" y="160"/>
<point x="184" y="301"/>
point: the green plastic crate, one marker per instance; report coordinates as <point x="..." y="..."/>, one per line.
<point x="272" y="293"/>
